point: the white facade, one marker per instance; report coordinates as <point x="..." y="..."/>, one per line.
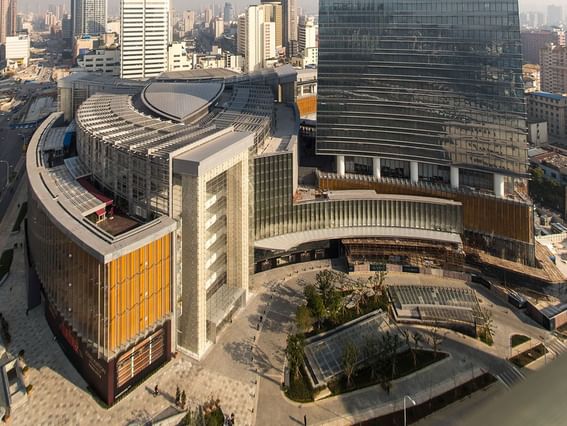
<point x="18" y="50"/>
<point x="145" y="37"/>
<point x="241" y="35"/>
<point x="106" y="61"/>
<point x="177" y="57"/>
<point x="260" y="38"/>
<point x="307" y="37"/>
<point x="218" y="27"/>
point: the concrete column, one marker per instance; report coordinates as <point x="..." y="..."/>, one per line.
<point x="376" y="172"/>
<point x="454" y="177"/>
<point x="341" y="165"/>
<point x="499" y="185"/>
<point x="414" y="172"/>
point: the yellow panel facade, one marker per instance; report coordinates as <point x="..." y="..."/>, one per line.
<point x="139" y="293"/>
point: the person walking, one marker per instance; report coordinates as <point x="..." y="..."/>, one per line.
<point x="156" y="391"/>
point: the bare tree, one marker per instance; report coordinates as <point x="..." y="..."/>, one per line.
<point x="436" y="339"/>
<point x="417" y="339"/>
<point x="349" y="361"/>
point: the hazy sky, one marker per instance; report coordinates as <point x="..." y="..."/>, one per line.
<point x="309" y="6"/>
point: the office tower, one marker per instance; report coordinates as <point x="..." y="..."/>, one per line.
<point x="554" y="15"/>
<point x="411" y="100"/>
<point x="290" y="26"/>
<point x="188" y="20"/>
<point x="260" y="36"/>
<point x="145" y="36"/>
<point x="217" y="27"/>
<point x="7" y="19"/>
<point x="553" y="71"/>
<point x="273" y="12"/>
<point x="228" y="14"/>
<point x="89" y="17"/>
<point x="241" y="34"/>
<point x="533" y="42"/>
<point x="307" y="33"/>
<point x="208" y="15"/>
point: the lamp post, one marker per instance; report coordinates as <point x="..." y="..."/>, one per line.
<point x="412" y="401"/>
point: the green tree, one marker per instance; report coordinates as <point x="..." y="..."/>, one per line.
<point x="294" y="352"/>
<point x="315" y="304"/>
<point x="349" y="361"/>
<point x="303" y="319"/>
<point x="371" y="354"/>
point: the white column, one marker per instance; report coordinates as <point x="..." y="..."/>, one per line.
<point x="414" y="171"/>
<point x="341" y="165"/>
<point x="376" y="167"/>
<point x="499" y="185"/>
<point x="454" y="177"/>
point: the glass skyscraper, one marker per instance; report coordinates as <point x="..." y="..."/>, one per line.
<point x="423" y="89"/>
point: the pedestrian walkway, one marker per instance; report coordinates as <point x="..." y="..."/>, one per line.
<point x="509" y="375"/>
<point x="556" y="346"/>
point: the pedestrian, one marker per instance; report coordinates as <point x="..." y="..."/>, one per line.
<point x="156" y="391"/>
<point x="305" y="420"/>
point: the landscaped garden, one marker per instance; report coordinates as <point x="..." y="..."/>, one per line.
<point x="344" y="311"/>
<point x="518" y="339"/>
<point x="529" y="356"/>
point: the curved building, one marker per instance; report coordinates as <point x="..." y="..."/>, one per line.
<point x="155" y="207"/>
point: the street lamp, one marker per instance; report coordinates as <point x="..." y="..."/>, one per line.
<point x="413" y="402"/>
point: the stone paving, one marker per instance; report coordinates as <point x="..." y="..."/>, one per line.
<point x="59" y="395"/>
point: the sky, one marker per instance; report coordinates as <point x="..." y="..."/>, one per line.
<point x="309" y="6"/>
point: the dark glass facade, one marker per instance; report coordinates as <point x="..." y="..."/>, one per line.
<point x="433" y="81"/>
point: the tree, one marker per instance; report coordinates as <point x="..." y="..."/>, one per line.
<point x="183" y="399"/>
<point x="371" y="353"/>
<point x="303" y="319"/>
<point x="325" y="283"/>
<point x="315" y="304"/>
<point x="376" y="282"/>
<point x="417" y="339"/>
<point x="436" y="339"/>
<point x="488" y="326"/>
<point x="349" y="361"/>
<point x="294" y="352"/>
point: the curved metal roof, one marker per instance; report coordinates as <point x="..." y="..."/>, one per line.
<point x="180" y="101"/>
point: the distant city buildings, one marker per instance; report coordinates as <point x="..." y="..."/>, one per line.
<point x="534" y="41"/>
<point x="145" y="37"/>
<point x="551" y="108"/>
<point x="89" y="17"/>
<point x="554" y="15"/>
<point x="18" y="51"/>
<point x="188" y="20"/>
<point x="553" y="60"/>
<point x="8" y="12"/>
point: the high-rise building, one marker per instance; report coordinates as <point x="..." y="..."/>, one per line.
<point x="8" y="14"/>
<point x="188" y="20"/>
<point x="145" y="36"/>
<point x="554" y="15"/>
<point x="439" y="102"/>
<point x="534" y="41"/>
<point x="241" y="34"/>
<point x="307" y="33"/>
<point x="260" y="36"/>
<point x="217" y="27"/>
<point x="89" y="17"/>
<point x="208" y="15"/>
<point x="228" y="14"/>
<point x="553" y="70"/>
<point x="290" y="26"/>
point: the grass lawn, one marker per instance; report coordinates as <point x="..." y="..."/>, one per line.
<point x="404" y="366"/>
<point x="20" y="218"/>
<point x="524" y="358"/>
<point x="518" y="339"/>
<point x="6" y="262"/>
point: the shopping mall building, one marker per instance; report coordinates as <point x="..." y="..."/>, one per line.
<point x="151" y="205"/>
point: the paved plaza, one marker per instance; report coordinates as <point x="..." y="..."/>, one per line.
<point x="245" y="368"/>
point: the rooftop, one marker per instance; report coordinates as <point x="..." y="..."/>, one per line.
<point x="67" y="203"/>
<point x="181" y="101"/>
<point x="554" y="96"/>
